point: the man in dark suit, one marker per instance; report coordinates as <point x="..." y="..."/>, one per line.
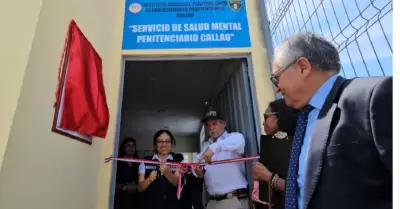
<point x="341" y="154"/>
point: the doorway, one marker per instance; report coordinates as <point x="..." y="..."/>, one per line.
<point x="172" y="94"/>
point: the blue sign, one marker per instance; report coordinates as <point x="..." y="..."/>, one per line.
<point x="176" y="24"/>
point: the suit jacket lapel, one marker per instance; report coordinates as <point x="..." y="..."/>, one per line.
<point x="319" y="138"/>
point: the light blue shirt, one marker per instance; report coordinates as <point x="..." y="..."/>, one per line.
<point x="224" y="178"/>
<point x="317" y="101"/>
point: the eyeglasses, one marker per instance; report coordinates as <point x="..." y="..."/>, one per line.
<point x="164" y="142"/>
<point x="274" y="77"/>
<point x="267" y="114"/>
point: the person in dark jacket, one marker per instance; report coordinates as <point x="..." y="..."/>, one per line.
<point x="278" y="118"/>
<point x="158" y="182"/>
<point x="126" y="190"/>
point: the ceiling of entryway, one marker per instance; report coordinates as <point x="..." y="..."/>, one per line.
<point x="170" y="94"/>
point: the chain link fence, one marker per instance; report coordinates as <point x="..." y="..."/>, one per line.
<point x="360" y="29"/>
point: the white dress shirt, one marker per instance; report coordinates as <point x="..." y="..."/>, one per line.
<point x="224" y="178"/>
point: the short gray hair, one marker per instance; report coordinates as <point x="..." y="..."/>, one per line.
<point x="321" y="53"/>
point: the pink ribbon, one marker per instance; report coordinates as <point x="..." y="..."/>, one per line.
<point x="181" y="167"/>
<point x="256" y="194"/>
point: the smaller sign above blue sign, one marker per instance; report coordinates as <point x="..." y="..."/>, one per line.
<point x="168" y="24"/>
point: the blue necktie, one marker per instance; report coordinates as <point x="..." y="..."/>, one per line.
<point x="291" y="179"/>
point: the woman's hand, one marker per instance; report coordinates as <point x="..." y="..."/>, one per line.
<point x="145" y="182"/>
<point x="152" y="176"/>
<point x="171" y="177"/>
<point x="260" y="172"/>
<point x="164" y="168"/>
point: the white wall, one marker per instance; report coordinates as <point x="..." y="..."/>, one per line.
<point x="18" y="25"/>
<point x="41" y="169"/>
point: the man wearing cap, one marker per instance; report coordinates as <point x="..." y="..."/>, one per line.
<point x="226" y="183"/>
